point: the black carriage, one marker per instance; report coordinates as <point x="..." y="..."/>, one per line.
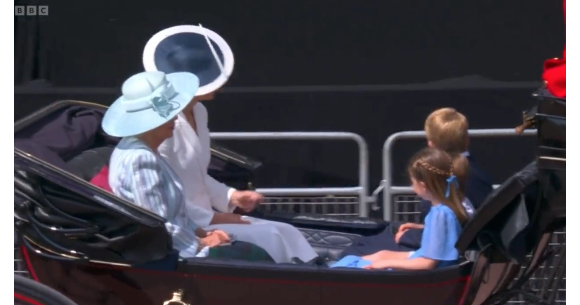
<point x="30" y="292"/>
<point x="95" y="248"/>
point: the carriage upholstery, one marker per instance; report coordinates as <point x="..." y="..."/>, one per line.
<point x="329" y="244"/>
<point x="551" y="160"/>
<point x="505" y="215"/>
<point x="90" y="162"/>
<point x="352" y="224"/>
<point x="79" y="219"/>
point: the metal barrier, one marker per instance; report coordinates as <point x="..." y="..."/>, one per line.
<point x="361" y="190"/>
<point x="386" y="185"/>
<point x="405" y="205"/>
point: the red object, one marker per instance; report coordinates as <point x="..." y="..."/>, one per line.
<point x="101" y="179"/>
<point x="26" y="299"/>
<point x="555" y="72"/>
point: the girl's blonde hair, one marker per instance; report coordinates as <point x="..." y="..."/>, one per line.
<point x="444" y="176"/>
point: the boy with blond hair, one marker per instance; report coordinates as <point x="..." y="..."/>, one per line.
<point x="445" y="129"/>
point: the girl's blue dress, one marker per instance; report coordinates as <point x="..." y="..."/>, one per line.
<point x="442" y="229"/>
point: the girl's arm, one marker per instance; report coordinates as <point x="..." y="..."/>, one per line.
<point x="419" y="263"/>
<point x="411" y="225"/>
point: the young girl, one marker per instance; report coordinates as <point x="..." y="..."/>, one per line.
<point x="436" y="177"/>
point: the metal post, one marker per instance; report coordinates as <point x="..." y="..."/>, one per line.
<point x="361" y="190"/>
<point x="386" y="183"/>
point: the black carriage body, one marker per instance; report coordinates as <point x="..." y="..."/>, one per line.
<point x="513" y="228"/>
<point x="30" y="292"/>
<point x="98" y="249"/>
<point x="551" y="156"/>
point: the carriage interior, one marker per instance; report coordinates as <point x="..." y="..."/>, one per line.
<point x="59" y="214"/>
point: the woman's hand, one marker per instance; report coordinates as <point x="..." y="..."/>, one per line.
<point x="215" y="238"/>
<point x="246" y="200"/>
<point x="225" y="237"/>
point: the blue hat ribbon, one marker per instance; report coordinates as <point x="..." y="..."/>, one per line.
<point x="159" y="100"/>
<point x="161" y="103"/>
<point x="451" y="180"/>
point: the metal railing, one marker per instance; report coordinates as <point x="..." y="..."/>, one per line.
<point x="405" y="205"/>
<point x="386" y="184"/>
<point x="361" y="190"/>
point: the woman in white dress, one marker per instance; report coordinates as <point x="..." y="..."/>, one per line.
<point x="203" y="52"/>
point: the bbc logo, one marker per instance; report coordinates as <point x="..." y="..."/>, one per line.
<point x="31" y="10"/>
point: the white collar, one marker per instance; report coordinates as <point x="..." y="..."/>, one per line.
<point x="465" y="153"/>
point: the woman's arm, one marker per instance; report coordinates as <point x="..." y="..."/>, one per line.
<point x="220" y="194"/>
<point x="200" y="216"/>
<point x="150" y="193"/>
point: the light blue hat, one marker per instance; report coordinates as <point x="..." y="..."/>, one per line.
<point x="150" y="99"/>
<point x="194" y="49"/>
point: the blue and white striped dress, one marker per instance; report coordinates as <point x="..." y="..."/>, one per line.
<point x="139" y="175"/>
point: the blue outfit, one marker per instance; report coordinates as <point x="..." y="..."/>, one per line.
<point x="442" y="229"/>
<point x="478" y="186"/>
<point x="351" y="261"/>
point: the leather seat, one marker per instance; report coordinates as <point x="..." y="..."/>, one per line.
<point x="328" y="244"/>
<point x="350" y="224"/>
<point x="90" y="162"/>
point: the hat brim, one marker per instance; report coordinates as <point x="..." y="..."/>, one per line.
<point x="150" y="60"/>
<point x="117" y="122"/>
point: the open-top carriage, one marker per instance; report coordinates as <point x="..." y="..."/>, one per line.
<point x="95" y="248"/>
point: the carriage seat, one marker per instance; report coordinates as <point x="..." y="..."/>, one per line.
<point x="329" y="244"/>
<point x="90" y="162"/>
<point x="350" y="224"/>
<point x="505" y="216"/>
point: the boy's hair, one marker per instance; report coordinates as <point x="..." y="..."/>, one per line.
<point x="433" y="167"/>
<point x="447" y="129"/>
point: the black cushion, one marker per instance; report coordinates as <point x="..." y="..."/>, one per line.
<point x="90" y="162"/>
<point x="348" y="224"/>
<point x="498" y="209"/>
<point x="329" y="244"/>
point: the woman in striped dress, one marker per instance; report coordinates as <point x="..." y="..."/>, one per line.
<point x="144" y="117"/>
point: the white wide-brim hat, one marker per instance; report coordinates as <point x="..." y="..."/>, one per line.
<point x="149" y="100"/>
<point x="193" y="49"/>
